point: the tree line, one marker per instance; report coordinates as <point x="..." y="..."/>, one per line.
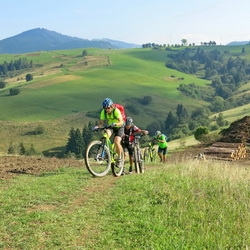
<point x="21" y="63"/>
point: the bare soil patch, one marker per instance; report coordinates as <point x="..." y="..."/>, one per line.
<point x="55" y="80"/>
<point x="11" y="166"/>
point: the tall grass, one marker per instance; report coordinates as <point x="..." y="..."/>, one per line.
<point x="181" y="205"/>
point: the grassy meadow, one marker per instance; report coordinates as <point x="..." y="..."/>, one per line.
<point x="66" y="86"/>
<point x="75" y="87"/>
<point x="182" y="205"/>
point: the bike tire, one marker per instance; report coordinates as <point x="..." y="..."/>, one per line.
<point x="136" y="160"/>
<point x="96" y="164"/>
<point x="141" y="163"/>
<point x="117" y="171"/>
<point x="146" y="155"/>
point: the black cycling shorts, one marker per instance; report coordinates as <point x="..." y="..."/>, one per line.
<point x="117" y="131"/>
<point x="164" y="150"/>
<point x="129" y="147"/>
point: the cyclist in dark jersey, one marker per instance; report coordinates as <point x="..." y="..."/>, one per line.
<point x="127" y="142"/>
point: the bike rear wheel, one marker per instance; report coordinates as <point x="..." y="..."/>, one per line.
<point x="118" y="170"/>
<point x="97" y="158"/>
<point x="136" y="160"/>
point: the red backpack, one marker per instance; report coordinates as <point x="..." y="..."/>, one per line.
<point x="122" y="110"/>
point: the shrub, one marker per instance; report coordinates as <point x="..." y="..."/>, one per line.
<point x="29" y="77"/>
<point x="2" y="84"/>
<point x="11" y="149"/>
<point x="40" y="129"/>
<point x="199" y="133"/>
<point x="14" y="91"/>
<point x="32" y="151"/>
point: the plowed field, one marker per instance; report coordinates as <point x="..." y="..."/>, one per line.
<point x="11" y="166"/>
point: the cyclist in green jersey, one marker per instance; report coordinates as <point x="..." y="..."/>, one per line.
<point x="163" y="145"/>
<point x="114" y="119"/>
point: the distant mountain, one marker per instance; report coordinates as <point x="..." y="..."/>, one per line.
<point x="122" y="45"/>
<point x="238" y="43"/>
<point x="40" y="39"/>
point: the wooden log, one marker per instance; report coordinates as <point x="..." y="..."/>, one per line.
<point x="215" y="150"/>
<point x="227" y="145"/>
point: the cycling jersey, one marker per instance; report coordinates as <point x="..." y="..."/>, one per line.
<point x="130" y="134"/>
<point x="112" y="117"/>
<point x="164" y="144"/>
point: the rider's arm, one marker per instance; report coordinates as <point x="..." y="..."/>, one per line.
<point x="100" y="124"/>
<point x="120" y="121"/>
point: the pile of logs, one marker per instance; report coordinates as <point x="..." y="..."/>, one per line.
<point x="226" y="151"/>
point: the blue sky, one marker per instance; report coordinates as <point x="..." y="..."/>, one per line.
<point x="133" y="21"/>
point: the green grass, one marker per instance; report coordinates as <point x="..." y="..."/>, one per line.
<point x="183" y="205"/>
<point x="235" y="113"/>
<point x="132" y="73"/>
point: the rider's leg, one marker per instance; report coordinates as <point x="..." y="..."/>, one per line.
<point x="160" y="155"/>
<point x="164" y="159"/>
<point x="131" y="160"/>
<point x="117" y="141"/>
<point x="164" y="155"/>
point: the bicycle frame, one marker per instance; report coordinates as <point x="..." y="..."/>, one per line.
<point x="110" y="145"/>
<point x="150" y="153"/>
<point x="151" y="149"/>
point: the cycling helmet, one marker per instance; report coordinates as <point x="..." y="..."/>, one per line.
<point x="129" y="121"/>
<point x="107" y="102"/>
<point x="157" y="133"/>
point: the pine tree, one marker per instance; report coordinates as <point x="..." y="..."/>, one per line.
<point x="22" y="150"/>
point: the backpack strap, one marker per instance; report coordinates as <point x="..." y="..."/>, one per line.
<point x="105" y="112"/>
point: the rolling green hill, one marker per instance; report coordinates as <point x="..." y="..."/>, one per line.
<point x="66" y="87"/>
<point x="76" y="87"/>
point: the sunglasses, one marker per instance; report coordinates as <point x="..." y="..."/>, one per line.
<point x="107" y="108"/>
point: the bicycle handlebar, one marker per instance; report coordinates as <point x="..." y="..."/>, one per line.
<point x="106" y="127"/>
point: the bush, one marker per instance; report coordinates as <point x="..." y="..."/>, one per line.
<point x="2" y="84"/>
<point x="29" y="77"/>
<point x="11" y="149"/>
<point x="14" y="91"/>
<point x="199" y="133"/>
<point x="32" y="151"/>
<point x="40" y="129"/>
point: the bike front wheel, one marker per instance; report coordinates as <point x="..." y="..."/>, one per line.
<point x="153" y="156"/>
<point x="97" y="158"/>
<point x="117" y="168"/>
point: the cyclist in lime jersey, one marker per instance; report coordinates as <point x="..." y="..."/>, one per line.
<point x="163" y="146"/>
<point x="114" y="119"/>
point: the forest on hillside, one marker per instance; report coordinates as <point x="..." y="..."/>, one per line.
<point x="226" y="73"/>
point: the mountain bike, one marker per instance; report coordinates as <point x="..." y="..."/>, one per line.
<point x="150" y="153"/>
<point x="137" y="154"/>
<point x="101" y="155"/>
